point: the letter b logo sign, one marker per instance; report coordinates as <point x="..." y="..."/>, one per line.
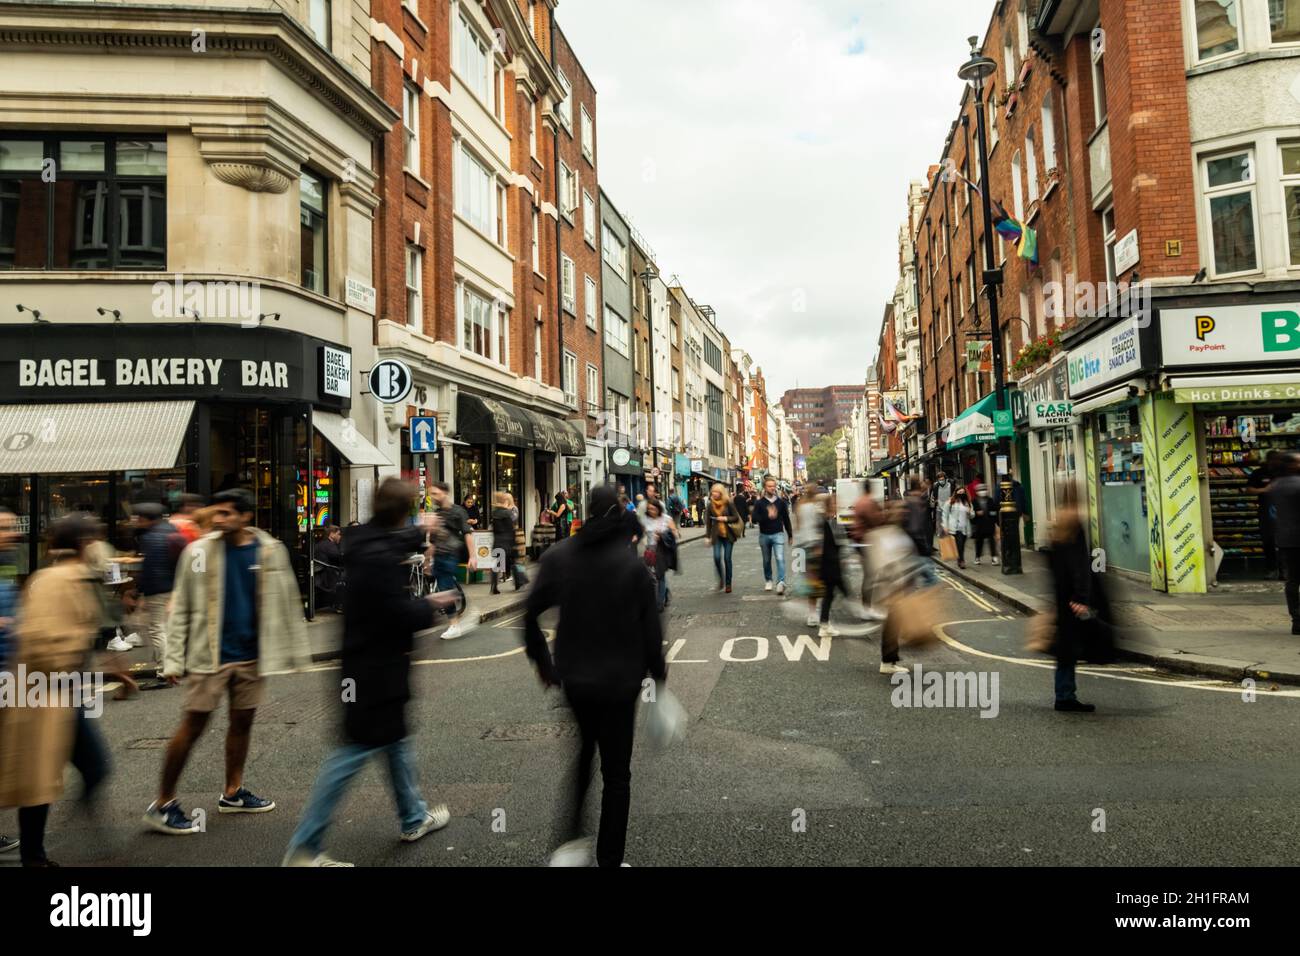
<point x="390" y="381"/>
<point x="1281" y="331"/>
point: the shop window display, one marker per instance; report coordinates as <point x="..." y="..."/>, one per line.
<point x="1122" y="470"/>
<point x="1236" y="445"/>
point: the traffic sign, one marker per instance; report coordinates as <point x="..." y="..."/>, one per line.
<point x="424" y="435"/>
<point x="391" y="381"/>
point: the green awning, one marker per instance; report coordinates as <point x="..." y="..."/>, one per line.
<point x="973" y="426"/>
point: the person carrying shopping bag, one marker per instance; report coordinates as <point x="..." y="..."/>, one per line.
<point x="723" y="531"/>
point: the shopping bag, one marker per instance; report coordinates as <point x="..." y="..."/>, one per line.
<point x="666" y="719"/>
<point x="948" y="548"/>
<point x="912" y="618"/>
<point x="1041" y="633"/>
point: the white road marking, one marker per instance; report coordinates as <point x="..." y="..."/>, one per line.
<point x="1190" y="683"/>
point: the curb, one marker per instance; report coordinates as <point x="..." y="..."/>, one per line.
<point x="1192" y="664"/>
<point x="336" y="653"/>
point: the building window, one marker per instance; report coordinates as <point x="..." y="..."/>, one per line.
<point x="1049" y="135"/>
<point x="569" y="379"/>
<point x="319" y="21"/>
<point x="1100" y="110"/>
<point x="1108" y="241"/>
<point x="1218" y="31"/>
<point x="1022" y="28"/>
<point x="501" y="215"/>
<point x="712" y="354"/>
<point x="1031" y="167"/>
<point x="565" y="108"/>
<point x="411" y="125"/>
<point x="1009" y="58"/>
<point x="589" y="219"/>
<point x="106" y="209"/>
<point x="614" y="252"/>
<point x="566" y="188"/>
<point x="537" y="242"/>
<point x="1230" y="203"/>
<point x="473" y="61"/>
<point x="414" y="283"/>
<point x="1017" y="188"/>
<point x="532" y="128"/>
<point x="616" y="332"/>
<point x="1284" y="20"/>
<point x="992" y="120"/>
<point x="1291" y="198"/>
<point x="476" y="321"/>
<point x="590" y="304"/>
<point x="569" y="284"/>
<point x="593" y="390"/>
<point x="588" y="137"/>
<point x="311" y="190"/>
<point x="474" y="189"/>
<point x="537" y="346"/>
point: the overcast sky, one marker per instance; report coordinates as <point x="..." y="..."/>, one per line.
<point x="764" y="147"/>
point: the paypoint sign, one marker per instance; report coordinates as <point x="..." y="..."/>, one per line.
<point x="1230" y="335"/>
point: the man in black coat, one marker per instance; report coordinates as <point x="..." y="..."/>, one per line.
<point x="607" y="640"/>
<point x="380" y="620"/>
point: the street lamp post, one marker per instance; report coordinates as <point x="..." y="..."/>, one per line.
<point x="974" y="71"/>
<point x="647" y="277"/>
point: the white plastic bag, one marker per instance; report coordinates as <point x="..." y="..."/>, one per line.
<point x="666" y="719"/>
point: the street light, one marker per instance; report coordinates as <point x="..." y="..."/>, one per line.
<point x="975" y="71"/>
<point x="648" y="276"/>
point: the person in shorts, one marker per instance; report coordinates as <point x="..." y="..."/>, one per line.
<point x="236" y="615"/>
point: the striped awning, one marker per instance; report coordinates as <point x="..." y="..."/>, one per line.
<point x="342" y="434"/>
<point x="91" y="437"/>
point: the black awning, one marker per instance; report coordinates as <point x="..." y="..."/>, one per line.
<point x="486" y="421"/>
<point x="558" y="435"/>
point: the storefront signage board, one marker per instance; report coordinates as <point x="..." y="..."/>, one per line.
<point x="1113" y="355"/>
<point x="1052" y="414"/>
<point x="1231" y="335"/>
<point x="1238" y="393"/>
<point x="1178" y="524"/>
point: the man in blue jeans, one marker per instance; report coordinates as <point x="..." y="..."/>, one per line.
<point x="772" y="515"/>
<point x="380" y="620"/>
<point x="452" y="543"/>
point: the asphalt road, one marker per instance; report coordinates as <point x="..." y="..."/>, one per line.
<point x="795" y="756"/>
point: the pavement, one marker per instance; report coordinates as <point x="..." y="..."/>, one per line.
<point x="1238" y="630"/>
<point x="799" y="752"/>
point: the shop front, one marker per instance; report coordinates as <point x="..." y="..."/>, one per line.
<point x="627" y="470"/>
<point x="98" y="418"/>
<point x="506" y="447"/>
<point x="1235" y="369"/>
<point x="1048" y="440"/>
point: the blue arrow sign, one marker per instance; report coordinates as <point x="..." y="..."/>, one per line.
<point x="424" y="435"/>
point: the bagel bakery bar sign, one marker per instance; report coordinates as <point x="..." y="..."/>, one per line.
<point x="42" y="363"/>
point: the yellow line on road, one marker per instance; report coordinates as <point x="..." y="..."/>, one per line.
<point x="1191" y="683"/>
<point x="974" y="598"/>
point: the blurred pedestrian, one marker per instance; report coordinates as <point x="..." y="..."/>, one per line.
<point x="828" y="573"/>
<point x="160" y="547"/>
<point x="723" y="531"/>
<point x="772" y="515"/>
<point x="1258" y="484"/>
<point x="236" y="615"/>
<point x="940" y="493"/>
<point x="661" y="547"/>
<point x="472" y="515"/>
<point x="561" y="515"/>
<point x="1082" y="609"/>
<point x="503" y="541"/>
<point x="184" y="518"/>
<point x="1284" y="498"/>
<point x="867" y="517"/>
<point x="916" y="525"/>
<point x="380" y="620"/>
<point x="607" y="640"/>
<point x="958" y="523"/>
<point x="984" y="522"/>
<point x="452" y="546"/>
<point x="328" y="576"/>
<point x="896" y="571"/>
<point x="9" y="538"/>
<point x="60" y="619"/>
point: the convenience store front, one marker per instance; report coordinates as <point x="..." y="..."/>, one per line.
<point x="1236" y="368"/>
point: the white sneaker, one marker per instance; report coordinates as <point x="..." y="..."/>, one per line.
<point x="304" y="858"/>
<point x="827" y="630"/>
<point x="117" y="645"/>
<point x="995" y="560"/>
<point x="574" y="853"/>
<point x="134" y="639"/>
<point x="767" y="585"/>
<point x="813" y="620"/>
<point x="893" y="669"/>
<point x="977" y="560"/>
<point x="435" y="819"/>
<point x="462" y="627"/>
<point x="873" y="614"/>
<point x="780" y="588"/>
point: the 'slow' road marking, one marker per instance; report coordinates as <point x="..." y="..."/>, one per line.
<point x="1190" y="684"/>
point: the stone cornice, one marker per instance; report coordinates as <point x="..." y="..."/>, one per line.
<point x="146" y="29"/>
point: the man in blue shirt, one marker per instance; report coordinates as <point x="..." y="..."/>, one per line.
<point x="772" y="515"/>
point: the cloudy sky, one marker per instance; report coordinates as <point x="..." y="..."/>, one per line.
<point x="764" y="147"/>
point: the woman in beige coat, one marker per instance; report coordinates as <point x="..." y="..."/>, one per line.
<point x="59" y="620"/>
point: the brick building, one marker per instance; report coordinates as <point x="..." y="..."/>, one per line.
<point x="814" y="413"/>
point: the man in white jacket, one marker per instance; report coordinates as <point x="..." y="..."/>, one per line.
<point x="236" y="616"/>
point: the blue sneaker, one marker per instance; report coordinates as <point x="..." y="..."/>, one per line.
<point x="169" y="819"/>
<point x="244" y="801"/>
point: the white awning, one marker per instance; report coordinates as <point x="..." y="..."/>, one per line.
<point x="91" y="437"/>
<point x="343" y="436"/>
<point x="1108" y="397"/>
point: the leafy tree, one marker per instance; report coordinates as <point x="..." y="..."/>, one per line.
<point x="821" y="460"/>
